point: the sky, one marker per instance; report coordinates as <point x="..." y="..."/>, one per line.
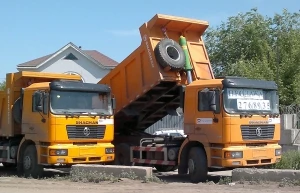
<point x="33" y="28"/>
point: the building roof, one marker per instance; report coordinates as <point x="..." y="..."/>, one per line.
<point x="91" y="54"/>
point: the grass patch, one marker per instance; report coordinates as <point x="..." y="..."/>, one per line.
<point x="152" y="179"/>
<point x="289" y="160"/>
<point x="77" y="175"/>
<point x="287" y="182"/>
<point x="225" y="180"/>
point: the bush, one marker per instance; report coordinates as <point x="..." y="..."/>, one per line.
<point x="289" y="160"/>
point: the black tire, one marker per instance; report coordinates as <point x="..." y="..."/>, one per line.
<point x="169" y="54"/>
<point x="9" y="165"/>
<point x="197" y="165"/>
<point x="30" y="165"/>
<point x="17" y="111"/>
<point x="162" y="168"/>
<point x="122" y="155"/>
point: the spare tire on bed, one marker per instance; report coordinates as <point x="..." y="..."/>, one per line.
<point x="169" y="55"/>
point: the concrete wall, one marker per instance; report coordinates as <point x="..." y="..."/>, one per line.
<point x="290" y="132"/>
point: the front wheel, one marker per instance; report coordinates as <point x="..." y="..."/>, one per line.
<point x="197" y="165"/>
<point x="122" y="155"/>
<point x="31" y="168"/>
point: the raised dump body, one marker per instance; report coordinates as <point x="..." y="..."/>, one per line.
<point x="146" y="90"/>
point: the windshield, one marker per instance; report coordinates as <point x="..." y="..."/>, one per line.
<point x="255" y="101"/>
<point x="64" y="102"/>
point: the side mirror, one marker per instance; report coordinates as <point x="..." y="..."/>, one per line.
<point x="212" y="96"/>
<point x="38" y="96"/>
<point x="113" y="102"/>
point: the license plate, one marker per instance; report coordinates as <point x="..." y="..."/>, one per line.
<point x="259" y="153"/>
<point x="87" y="151"/>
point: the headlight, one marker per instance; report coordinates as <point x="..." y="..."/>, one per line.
<point x="233" y="154"/>
<point x="58" y="152"/>
<point x="277" y="152"/>
<point x="109" y="150"/>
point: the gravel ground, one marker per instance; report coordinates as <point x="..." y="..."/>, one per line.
<point x="172" y="183"/>
<point x="19" y="185"/>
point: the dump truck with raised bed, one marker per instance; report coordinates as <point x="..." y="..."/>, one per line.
<point x="229" y="122"/>
<point x="51" y="119"/>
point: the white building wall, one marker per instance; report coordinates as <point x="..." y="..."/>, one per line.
<point x="89" y="71"/>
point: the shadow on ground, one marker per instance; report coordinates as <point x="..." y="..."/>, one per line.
<point x="174" y="177"/>
<point x="185" y="178"/>
<point x="48" y="173"/>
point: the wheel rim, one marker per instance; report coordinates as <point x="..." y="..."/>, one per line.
<point x="173" y="53"/>
<point x="27" y="163"/>
<point x="191" y="166"/>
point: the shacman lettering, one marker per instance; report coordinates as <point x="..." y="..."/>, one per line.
<point x="86" y="122"/>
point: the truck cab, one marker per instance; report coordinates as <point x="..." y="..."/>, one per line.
<point x="235" y="119"/>
<point x="57" y="120"/>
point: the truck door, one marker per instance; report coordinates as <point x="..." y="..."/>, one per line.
<point x="208" y="117"/>
<point x="36" y="115"/>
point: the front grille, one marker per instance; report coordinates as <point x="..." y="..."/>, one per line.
<point x="256" y="132"/>
<point x="86" y="131"/>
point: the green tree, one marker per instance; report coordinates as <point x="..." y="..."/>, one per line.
<point x="256" y="46"/>
<point x="2" y="85"/>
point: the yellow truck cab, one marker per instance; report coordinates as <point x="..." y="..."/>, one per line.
<point x="50" y="119"/>
<point x="235" y="119"/>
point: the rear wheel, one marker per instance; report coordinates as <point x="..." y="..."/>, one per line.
<point x="197" y="165"/>
<point x="31" y="168"/>
<point x="122" y="154"/>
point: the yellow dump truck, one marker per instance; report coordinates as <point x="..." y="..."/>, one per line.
<point x="229" y="122"/>
<point x="49" y="119"/>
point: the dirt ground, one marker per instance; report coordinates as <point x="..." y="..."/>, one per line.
<point x="172" y="183"/>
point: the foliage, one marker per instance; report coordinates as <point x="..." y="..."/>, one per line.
<point x="256" y="46"/>
<point x="2" y="85"/>
<point x="289" y="160"/>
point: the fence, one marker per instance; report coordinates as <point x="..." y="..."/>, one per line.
<point x="292" y="109"/>
<point x="168" y="123"/>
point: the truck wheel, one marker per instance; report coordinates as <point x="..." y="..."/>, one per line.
<point x="122" y="155"/>
<point x="197" y="165"/>
<point x="31" y="168"/>
<point x="169" y="54"/>
<point x="162" y="168"/>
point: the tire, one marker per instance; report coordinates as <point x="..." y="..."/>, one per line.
<point x="163" y="168"/>
<point x="17" y="111"/>
<point x="169" y="54"/>
<point x="122" y="155"/>
<point x="197" y="165"/>
<point x="30" y="165"/>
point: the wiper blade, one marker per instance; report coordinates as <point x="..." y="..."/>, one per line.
<point x="71" y="114"/>
<point x="90" y="113"/>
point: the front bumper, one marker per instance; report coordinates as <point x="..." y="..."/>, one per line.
<point x="252" y="156"/>
<point x="77" y="154"/>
